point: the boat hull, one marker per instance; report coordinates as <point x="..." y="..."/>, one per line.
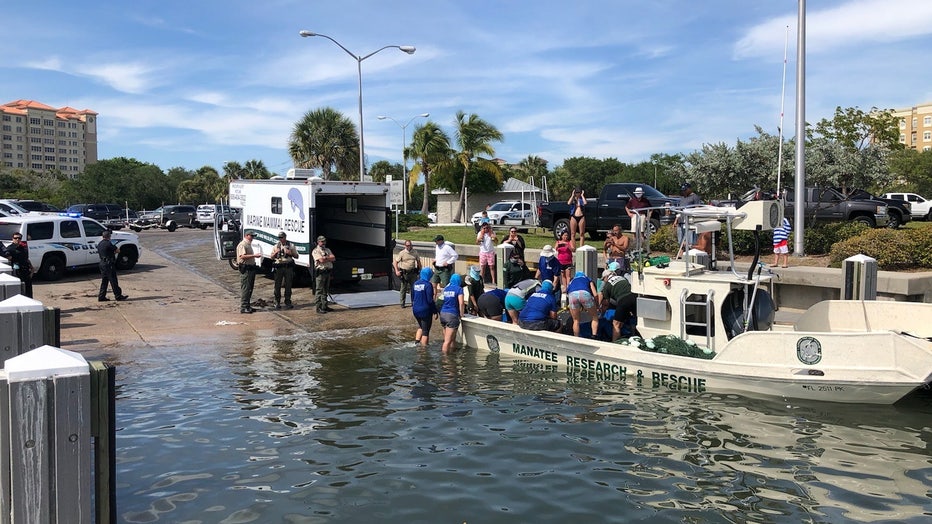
<point x="763" y="364"/>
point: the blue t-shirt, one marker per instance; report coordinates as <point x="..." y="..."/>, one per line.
<point x="451" y="303"/>
<point x="579" y="284"/>
<point x="422" y="300"/>
<point x="549" y="267"/>
<point x="538" y="307"/>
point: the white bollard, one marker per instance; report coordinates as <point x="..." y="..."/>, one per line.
<point x="45" y="437"/>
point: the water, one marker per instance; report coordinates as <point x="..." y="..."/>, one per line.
<point x="341" y="428"/>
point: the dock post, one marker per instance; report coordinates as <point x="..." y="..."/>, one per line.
<point x="45" y="438"/>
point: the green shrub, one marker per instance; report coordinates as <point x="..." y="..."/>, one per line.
<point x="820" y="238"/>
<point x="664" y="240"/>
<point x="893" y="249"/>
<point x="410" y="220"/>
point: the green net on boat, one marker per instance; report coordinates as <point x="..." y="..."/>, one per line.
<point x="669" y="345"/>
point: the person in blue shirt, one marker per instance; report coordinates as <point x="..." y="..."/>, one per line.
<point x="540" y="311"/>
<point x="581" y="292"/>
<point x="492" y="304"/>
<point x="423" y="305"/>
<point x="549" y="268"/>
<point x="451" y="311"/>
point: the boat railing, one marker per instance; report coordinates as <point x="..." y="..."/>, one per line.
<point x="709" y="307"/>
<point x="693" y="216"/>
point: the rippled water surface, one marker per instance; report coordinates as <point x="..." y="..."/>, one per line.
<point x="337" y="429"/>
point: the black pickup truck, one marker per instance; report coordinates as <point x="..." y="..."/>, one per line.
<point x="830" y="204"/>
<point x="605" y="211"/>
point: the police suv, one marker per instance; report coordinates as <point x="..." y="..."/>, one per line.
<point x="60" y="242"/>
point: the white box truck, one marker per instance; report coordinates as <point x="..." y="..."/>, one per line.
<point x="354" y="216"/>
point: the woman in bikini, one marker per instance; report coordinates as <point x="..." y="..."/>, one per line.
<point x="577" y="203"/>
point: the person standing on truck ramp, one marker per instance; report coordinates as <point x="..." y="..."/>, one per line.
<point x="283" y="255"/>
<point x="577" y="203"/>
<point x="323" y="266"/>
<point x="406" y="264"/>
<point x="445" y="257"/>
<point x="246" y="259"/>
<point x="108" y="251"/>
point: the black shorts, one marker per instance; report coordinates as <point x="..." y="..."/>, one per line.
<point x="490" y="306"/>
<point x="425" y="323"/>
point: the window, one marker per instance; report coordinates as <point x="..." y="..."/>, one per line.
<point x="69" y="229"/>
<point x="35" y="121"/>
<point x="902" y="123"/>
<point x="927" y="120"/>
<point x="92" y="229"/>
<point x="39" y="230"/>
<point x="926" y="136"/>
<point x="276" y="205"/>
<point x="915" y="122"/>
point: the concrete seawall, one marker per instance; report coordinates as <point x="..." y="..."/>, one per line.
<point x="796" y="287"/>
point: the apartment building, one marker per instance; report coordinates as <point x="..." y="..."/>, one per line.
<point x="41" y="138"/>
<point x="916" y="126"/>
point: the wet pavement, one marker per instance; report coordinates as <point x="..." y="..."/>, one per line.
<point x="180" y="291"/>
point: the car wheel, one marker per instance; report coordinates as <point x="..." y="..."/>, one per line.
<point x="866" y="220"/>
<point x="52" y="268"/>
<point x="560" y="227"/>
<point x="171" y="227"/>
<point x="127" y="258"/>
<point x="896" y="220"/>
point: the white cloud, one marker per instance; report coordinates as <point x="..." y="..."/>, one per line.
<point x="847" y="25"/>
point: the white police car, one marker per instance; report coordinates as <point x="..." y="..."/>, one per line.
<point x="60" y="242"/>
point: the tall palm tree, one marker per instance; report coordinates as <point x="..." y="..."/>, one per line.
<point x="474" y="137"/>
<point x="233" y="170"/>
<point x="430" y="146"/>
<point x="326" y="139"/>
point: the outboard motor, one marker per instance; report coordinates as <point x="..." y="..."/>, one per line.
<point x="761" y="312"/>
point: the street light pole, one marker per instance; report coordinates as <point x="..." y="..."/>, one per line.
<point x="410" y="49"/>
<point x="404" y="156"/>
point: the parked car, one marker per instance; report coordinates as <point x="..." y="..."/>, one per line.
<point x="60" y="242"/>
<point x="831" y="205"/>
<point x="899" y="211"/>
<point x="36" y="206"/>
<point x="607" y="210"/>
<point x="99" y="212"/>
<point x="920" y="207"/>
<point x="499" y="212"/>
<point x="206" y="213"/>
<point x="11" y="208"/>
<point x="167" y="217"/>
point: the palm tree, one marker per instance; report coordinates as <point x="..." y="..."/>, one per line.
<point x="256" y="170"/>
<point x="531" y="167"/>
<point x="233" y="170"/>
<point x="430" y="146"/>
<point x="474" y="136"/>
<point x="326" y="139"/>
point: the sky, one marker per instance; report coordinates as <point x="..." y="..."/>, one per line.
<point x="203" y="82"/>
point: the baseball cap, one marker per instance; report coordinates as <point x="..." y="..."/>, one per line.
<point x="638" y="191"/>
<point x="321" y="238"/>
<point x="438" y="238"/>
<point x="282" y="235"/>
<point x="685" y="186"/>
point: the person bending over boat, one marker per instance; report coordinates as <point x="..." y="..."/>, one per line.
<point x="517" y="297"/>
<point x="492" y="304"/>
<point x="451" y="311"/>
<point x="616" y="292"/>
<point x="423" y="305"/>
<point x="582" y="297"/>
<point x="540" y="311"/>
<point x="474" y="288"/>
